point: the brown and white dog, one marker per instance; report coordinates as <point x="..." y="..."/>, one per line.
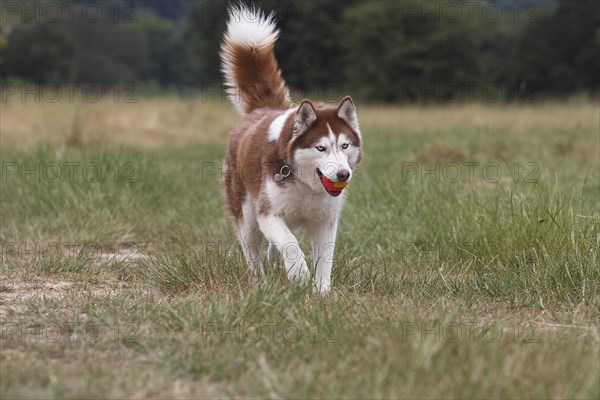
<point x="286" y="166"/>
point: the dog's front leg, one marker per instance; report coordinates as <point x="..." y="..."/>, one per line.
<point x="280" y="236"/>
<point x="323" y="242"/>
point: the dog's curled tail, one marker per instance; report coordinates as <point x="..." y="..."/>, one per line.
<point x="252" y="76"/>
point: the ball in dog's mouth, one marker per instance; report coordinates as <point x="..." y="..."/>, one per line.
<point x="331" y="187"/>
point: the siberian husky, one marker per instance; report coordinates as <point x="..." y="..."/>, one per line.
<point x="286" y="165"/>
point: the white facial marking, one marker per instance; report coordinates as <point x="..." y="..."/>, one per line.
<point x="331" y="134"/>
<point x="351" y="151"/>
<point x="277" y="125"/>
<point x="334" y="159"/>
<point x="329" y="162"/>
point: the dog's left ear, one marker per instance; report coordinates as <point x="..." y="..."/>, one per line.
<point x="347" y="112"/>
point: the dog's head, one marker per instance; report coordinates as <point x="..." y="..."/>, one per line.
<point x="326" y="145"/>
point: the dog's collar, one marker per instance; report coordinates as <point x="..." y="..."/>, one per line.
<point x="284" y="172"/>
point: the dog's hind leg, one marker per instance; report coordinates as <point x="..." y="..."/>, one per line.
<point x="251" y="238"/>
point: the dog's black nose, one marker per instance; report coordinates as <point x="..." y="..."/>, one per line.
<point x="343" y="175"/>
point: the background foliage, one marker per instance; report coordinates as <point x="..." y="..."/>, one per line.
<point x="384" y="51"/>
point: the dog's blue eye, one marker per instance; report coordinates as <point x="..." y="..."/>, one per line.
<point x="320" y="148"/>
<point x="345" y="146"/>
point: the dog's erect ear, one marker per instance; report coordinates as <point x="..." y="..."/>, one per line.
<point x="306" y="115"/>
<point x="347" y="112"/>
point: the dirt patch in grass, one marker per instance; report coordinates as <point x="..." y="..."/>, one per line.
<point x="14" y="293"/>
<point x="16" y="289"/>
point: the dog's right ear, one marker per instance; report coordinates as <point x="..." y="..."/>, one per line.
<point x="306" y="115"/>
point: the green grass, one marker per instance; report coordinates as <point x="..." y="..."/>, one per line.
<point x="443" y="288"/>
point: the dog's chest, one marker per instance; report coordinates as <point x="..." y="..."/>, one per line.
<point x="303" y="208"/>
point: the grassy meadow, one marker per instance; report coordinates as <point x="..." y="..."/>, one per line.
<point x="467" y="263"/>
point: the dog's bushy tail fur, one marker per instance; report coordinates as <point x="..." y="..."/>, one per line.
<point x="252" y="77"/>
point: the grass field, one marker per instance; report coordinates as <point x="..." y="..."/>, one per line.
<point x="467" y="263"/>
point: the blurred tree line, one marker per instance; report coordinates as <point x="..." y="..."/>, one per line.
<point x="378" y="50"/>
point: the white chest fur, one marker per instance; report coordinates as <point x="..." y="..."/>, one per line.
<point x="301" y="207"/>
